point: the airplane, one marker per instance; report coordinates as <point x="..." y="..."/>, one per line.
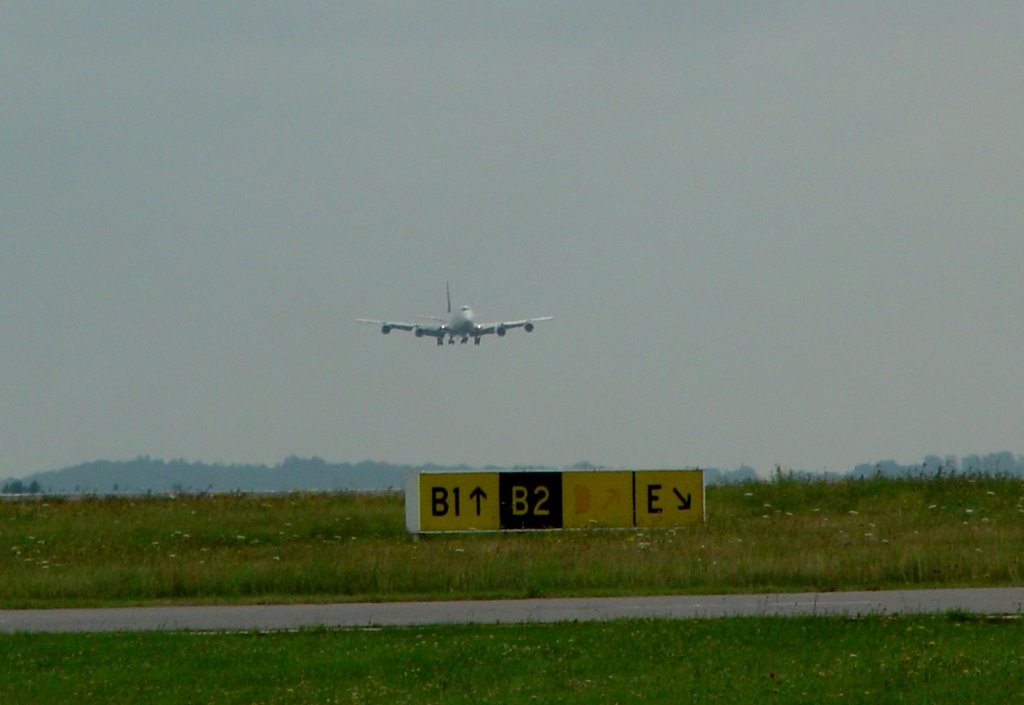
<point x="459" y="324"/>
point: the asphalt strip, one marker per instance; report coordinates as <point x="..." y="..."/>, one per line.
<point x="990" y="601"/>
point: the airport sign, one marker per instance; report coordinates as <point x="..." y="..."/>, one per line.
<point x="571" y="499"/>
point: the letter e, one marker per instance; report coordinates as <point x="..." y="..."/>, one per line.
<point x="652" y="498"/>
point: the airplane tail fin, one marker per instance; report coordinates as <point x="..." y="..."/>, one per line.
<point x="448" y="293"/>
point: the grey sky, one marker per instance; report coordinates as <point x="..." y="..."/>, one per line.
<point x="770" y="232"/>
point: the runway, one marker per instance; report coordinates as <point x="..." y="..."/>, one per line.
<point x="996" y="601"/>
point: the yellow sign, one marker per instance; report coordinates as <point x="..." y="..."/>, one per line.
<point x="519" y="501"/>
<point x="458" y="501"/>
<point x="597" y="499"/>
<point x="669" y="497"/>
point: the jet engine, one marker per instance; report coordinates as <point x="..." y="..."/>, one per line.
<point x="501" y="330"/>
<point x="419" y="333"/>
<point x="528" y="327"/>
<point x="385" y="329"/>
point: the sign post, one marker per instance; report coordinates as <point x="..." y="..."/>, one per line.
<point x="523" y="501"/>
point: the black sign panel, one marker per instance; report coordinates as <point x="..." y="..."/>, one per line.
<point x="530" y="500"/>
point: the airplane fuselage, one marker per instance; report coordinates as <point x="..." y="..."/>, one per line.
<point x="461" y="322"/>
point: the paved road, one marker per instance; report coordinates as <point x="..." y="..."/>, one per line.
<point x="278" y="617"/>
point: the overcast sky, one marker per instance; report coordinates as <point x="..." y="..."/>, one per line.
<point x="770" y="233"/>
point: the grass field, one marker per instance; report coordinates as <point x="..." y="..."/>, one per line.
<point x="937" y="659"/>
<point x="781" y="535"/>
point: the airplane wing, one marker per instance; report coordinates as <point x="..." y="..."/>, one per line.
<point x="388" y="326"/>
<point x="504" y="326"/>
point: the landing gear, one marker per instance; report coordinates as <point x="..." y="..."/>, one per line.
<point x="465" y="339"/>
<point x="440" y="340"/>
<point x="476" y="340"/>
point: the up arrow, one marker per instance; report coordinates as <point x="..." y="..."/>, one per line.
<point x="478" y="494"/>
<point x="684" y="502"/>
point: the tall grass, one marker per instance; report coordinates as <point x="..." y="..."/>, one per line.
<point x="934" y="659"/>
<point x="783" y="535"/>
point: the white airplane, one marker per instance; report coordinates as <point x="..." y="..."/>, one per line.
<point x="457" y="324"/>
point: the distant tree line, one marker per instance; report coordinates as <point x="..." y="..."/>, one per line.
<point x="19" y="487"/>
<point x="1003" y="463"/>
<point x="145" y="474"/>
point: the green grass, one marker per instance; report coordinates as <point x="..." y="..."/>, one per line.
<point x="786" y="535"/>
<point x="936" y="659"/>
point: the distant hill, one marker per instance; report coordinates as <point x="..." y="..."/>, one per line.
<point x="145" y="474"/>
